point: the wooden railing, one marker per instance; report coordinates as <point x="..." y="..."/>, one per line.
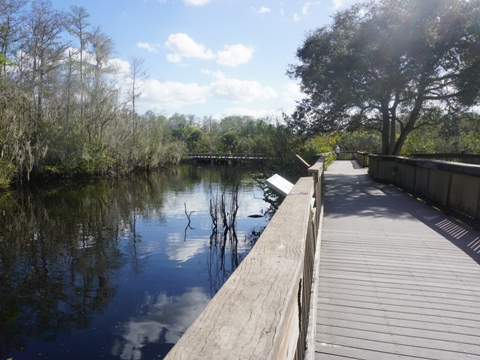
<point x="225" y="156"/>
<point x="362" y="158"/>
<point x="262" y="311"/>
<point x="462" y="158"/>
<point x="453" y="187"/>
<point x="346" y="155"/>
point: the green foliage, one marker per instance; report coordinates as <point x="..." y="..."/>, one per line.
<point x="316" y="145"/>
<point x="229" y="142"/>
<point x="7" y="174"/>
<point x="329" y="159"/>
<point x="5" y="61"/>
<point x="360" y="141"/>
<point x="452" y="135"/>
<point x="240" y="134"/>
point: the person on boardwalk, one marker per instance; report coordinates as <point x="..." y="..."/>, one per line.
<point x="337" y="151"/>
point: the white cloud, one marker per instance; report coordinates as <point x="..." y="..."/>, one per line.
<point x="262" y="10"/>
<point x="121" y="66"/>
<point x="114" y="66"/>
<point x="285" y="102"/>
<point x="337" y="4"/>
<point x="149" y="47"/>
<point x="291" y="93"/>
<point x="171" y="95"/>
<point x="196" y="2"/>
<point x="272" y="108"/>
<point x="262" y="113"/>
<point x="306" y="7"/>
<point x="244" y="91"/>
<point x="159" y="316"/>
<point x="235" y="55"/>
<point x="306" y="10"/>
<point x="216" y="74"/>
<point x="180" y="250"/>
<point x="184" y="46"/>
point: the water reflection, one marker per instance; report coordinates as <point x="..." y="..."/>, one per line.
<point x="160" y="317"/>
<point x="180" y="250"/>
<point x="106" y="270"/>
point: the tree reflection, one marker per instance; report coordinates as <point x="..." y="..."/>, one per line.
<point x="64" y="251"/>
<point x="224" y="255"/>
<point x="57" y="264"/>
<point x="60" y="252"/>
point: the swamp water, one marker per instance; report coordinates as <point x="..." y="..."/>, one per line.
<point x="120" y="269"/>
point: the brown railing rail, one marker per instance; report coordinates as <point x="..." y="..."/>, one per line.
<point x="262" y="311"/>
<point x="346" y="155"/>
<point x="362" y="158"/>
<point x="462" y="158"/>
<point x="453" y="187"/>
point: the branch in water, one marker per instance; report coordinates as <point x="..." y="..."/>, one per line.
<point x="188" y="216"/>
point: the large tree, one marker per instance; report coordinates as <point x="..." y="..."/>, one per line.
<point x="388" y="64"/>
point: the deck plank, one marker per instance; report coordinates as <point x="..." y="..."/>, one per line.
<point x="397" y="279"/>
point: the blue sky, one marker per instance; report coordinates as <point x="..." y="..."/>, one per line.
<point x="210" y="57"/>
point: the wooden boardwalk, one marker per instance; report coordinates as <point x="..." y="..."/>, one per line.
<point x="398" y="280"/>
<point x="225" y="156"/>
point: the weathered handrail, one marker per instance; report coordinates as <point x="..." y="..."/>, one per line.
<point x="346" y="155"/>
<point x="362" y="158"/>
<point x="463" y="158"/>
<point x="453" y="187"/>
<point x="262" y="310"/>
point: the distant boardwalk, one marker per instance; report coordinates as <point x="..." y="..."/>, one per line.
<point x="398" y="280"/>
<point x="225" y="156"/>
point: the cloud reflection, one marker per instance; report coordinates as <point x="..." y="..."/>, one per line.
<point x="180" y="250"/>
<point x="160" y="318"/>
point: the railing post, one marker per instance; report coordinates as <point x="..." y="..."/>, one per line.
<point x="318" y="180"/>
<point x="317" y="172"/>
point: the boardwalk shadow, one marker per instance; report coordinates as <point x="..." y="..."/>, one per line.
<point x="355" y="198"/>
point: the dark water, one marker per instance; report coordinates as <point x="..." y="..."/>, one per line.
<point x="115" y="270"/>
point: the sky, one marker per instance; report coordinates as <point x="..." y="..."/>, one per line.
<point x="210" y="57"/>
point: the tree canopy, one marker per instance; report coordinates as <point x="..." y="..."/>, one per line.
<point x="392" y="66"/>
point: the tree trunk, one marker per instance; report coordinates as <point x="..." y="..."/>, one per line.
<point x="393" y="134"/>
<point x="410" y="126"/>
<point x="385" y="130"/>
